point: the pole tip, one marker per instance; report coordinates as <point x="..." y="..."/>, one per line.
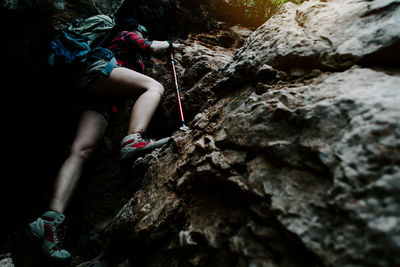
<point x="184" y="128"/>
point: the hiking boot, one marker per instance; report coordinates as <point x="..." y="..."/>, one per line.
<point x="49" y="228"/>
<point x="134" y="144"/>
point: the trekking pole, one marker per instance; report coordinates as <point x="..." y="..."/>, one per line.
<point x="177" y="89"/>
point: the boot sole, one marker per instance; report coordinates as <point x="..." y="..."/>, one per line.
<point x="37" y="244"/>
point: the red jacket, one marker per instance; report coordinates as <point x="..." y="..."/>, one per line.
<point x="128" y="49"/>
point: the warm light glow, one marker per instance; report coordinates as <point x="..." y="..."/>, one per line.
<point x="248" y="12"/>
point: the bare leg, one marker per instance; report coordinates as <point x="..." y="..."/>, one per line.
<point x="123" y="81"/>
<point x="143" y="111"/>
<point x="91" y="129"/>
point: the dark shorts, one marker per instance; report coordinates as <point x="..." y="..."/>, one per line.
<point x="99" y="62"/>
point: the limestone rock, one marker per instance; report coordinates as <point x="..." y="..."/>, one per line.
<point x="303" y="157"/>
<point x="330" y="35"/>
<point x="293" y="160"/>
<point x="196" y="65"/>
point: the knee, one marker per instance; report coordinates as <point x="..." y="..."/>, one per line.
<point x="82" y="152"/>
<point x="156" y="87"/>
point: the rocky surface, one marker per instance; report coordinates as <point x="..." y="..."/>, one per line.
<point x="291" y="157"/>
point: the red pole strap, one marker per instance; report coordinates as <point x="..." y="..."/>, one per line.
<point x="177" y="89"/>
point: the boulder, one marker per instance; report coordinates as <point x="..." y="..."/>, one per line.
<point x="293" y="158"/>
<point x="331" y="35"/>
<point x="305" y="168"/>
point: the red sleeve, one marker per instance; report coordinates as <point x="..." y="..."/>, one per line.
<point x="141" y="44"/>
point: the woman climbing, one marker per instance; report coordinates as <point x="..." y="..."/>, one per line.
<point x="126" y="78"/>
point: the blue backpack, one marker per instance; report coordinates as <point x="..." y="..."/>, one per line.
<point x="66" y="47"/>
<point x="74" y="43"/>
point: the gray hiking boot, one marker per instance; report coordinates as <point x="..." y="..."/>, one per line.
<point x="134" y="144"/>
<point x="49" y="228"/>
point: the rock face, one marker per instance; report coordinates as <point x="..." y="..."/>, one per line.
<point x="327" y="35"/>
<point x="291" y="159"/>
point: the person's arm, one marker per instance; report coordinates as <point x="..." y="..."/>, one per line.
<point x="158" y="47"/>
<point x="152" y="47"/>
